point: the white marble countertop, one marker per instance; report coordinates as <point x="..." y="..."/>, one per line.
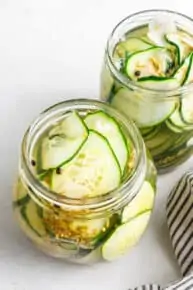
<point x="51" y="50"/>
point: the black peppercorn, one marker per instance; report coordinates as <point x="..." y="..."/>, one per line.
<point x="137" y="73"/>
<point x="58" y="170"/>
<point x="33" y="163"/>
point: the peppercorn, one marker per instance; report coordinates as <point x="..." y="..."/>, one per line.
<point x="58" y="170"/>
<point x="137" y="73"/>
<point x="33" y="163"/>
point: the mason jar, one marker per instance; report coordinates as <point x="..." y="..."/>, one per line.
<point x="161" y="107"/>
<point x="83" y="230"/>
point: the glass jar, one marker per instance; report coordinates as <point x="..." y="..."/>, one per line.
<point x="157" y="112"/>
<point x="84" y="231"/>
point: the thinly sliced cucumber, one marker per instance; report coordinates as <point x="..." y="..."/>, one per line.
<point x="89" y="229"/>
<point x="175" y="49"/>
<point x="182" y="118"/>
<point x="176" y="119"/>
<point x="158" y="28"/>
<point x="110" y="129"/>
<point x="46" y="178"/>
<point x="32" y="218"/>
<point x="114" y="89"/>
<point x="161" y="142"/>
<point x="181" y="74"/>
<point x="111" y="93"/>
<point x="66" y="231"/>
<point x="147" y="131"/>
<point x="186" y="109"/>
<point x="22" y="201"/>
<point x="63" y="142"/>
<point x="138" y="107"/>
<point x="150" y="134"/>
<point x="173" y="127"/>
<point x="159" y="83"/>
<point x="162" y="138"/>
<point x="141" y="203"/>
<point x="130" y="45"/>
<point x="180" y="42"/>
<point x="125" y="237"/>
<point x="146" y="39"/>
<point x="189" y="72"/>
<point x="92" y="172"/>
<point x="21" y="196"/>
<point x="71" y="127"/>
<point x="152" y="61"/>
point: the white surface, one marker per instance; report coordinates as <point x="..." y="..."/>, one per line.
<point x="49" y="51"/>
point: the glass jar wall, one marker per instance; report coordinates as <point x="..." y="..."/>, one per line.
<point x="85" y="205"/>
<point x="147" y="75"/>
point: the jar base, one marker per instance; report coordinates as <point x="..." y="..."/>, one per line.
<point x="168" y="162"/>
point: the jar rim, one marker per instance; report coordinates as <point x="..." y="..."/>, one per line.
<point x="107" y="200"/>
<point x="160" y="94"/>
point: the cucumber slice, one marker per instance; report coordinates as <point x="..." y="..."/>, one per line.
<point x="176" y="120"/>
<point x="187" y="109"/>
<point x="111" y="93"/>
<point x="89" y="229"/>
<point x="182" y="72"/>
<point x="160" y="140"/>
<point x="141" y="203"/>
<point x="173" y="127"/>
<point x="46" y="178"/>
<point x="63" y="142"/>
<point x="189" y="75"/>
<point x="130" y="45"/>
<point x="147" y="131"/>
<point x="22" y="201"/>
<point x="138" y="108"/>
<point x="159" y="83"/>
<point x="125" y="237"/>
<point x="66" y="230"/>
<point x="92" y="172"/>
<point x="182" y="118"/>
<point x="109" y="128"/>
<point x="150" y="134"/>
<point x="21" y="196"/>
<point x="30" y="214"/>
<point x="152" y="61"/>
<point x="182" y="44"/>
